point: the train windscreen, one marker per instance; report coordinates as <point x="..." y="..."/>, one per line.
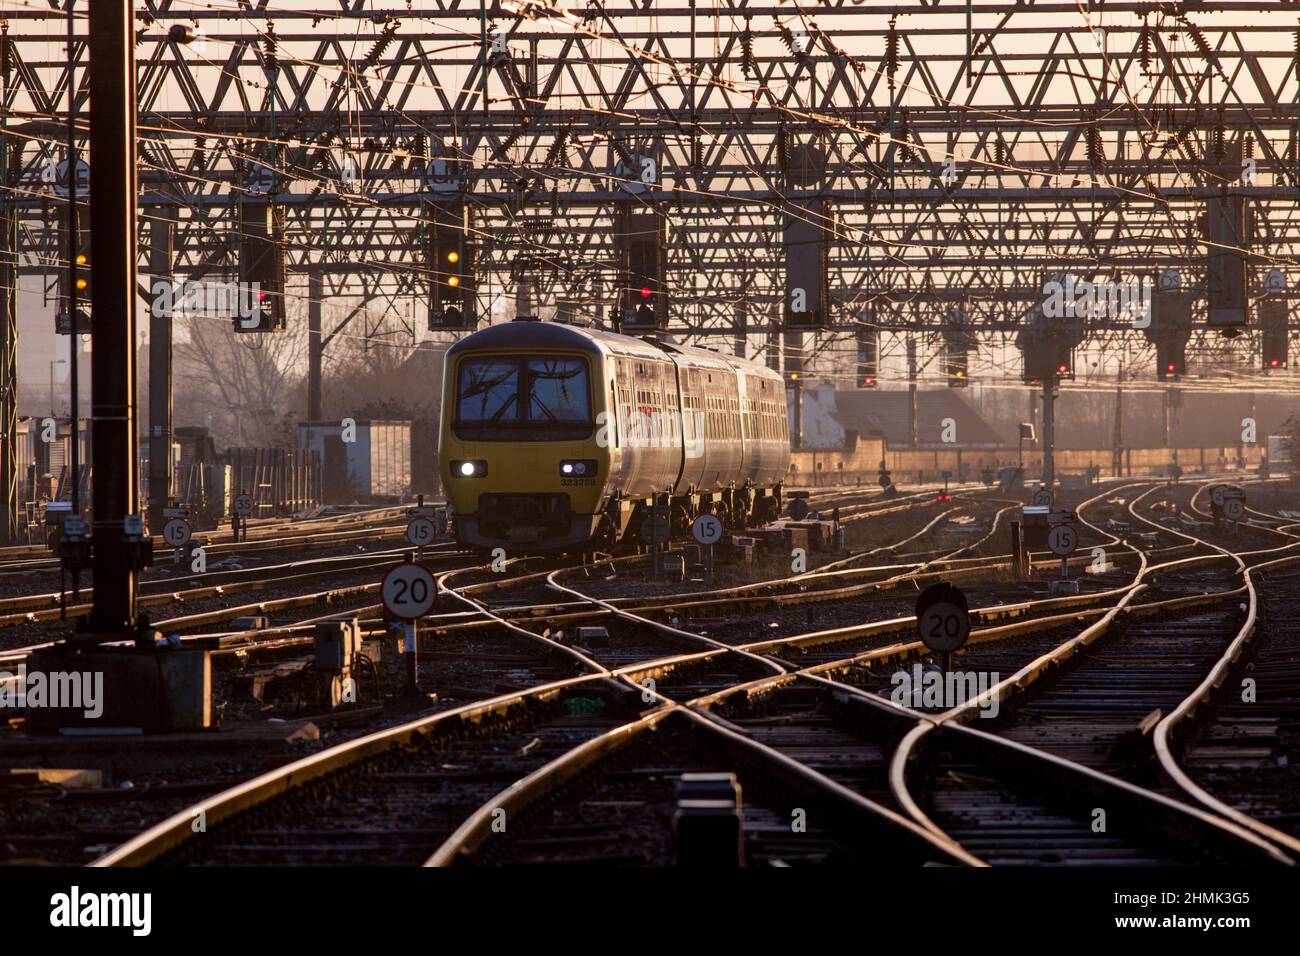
<point x="509" y="397"/>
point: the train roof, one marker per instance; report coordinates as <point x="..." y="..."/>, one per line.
<point x="531" y="335"/>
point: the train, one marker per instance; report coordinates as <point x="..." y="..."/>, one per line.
<point x="558" y="437"/>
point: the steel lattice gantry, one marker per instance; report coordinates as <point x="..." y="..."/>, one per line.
<point x="963" y="163"/>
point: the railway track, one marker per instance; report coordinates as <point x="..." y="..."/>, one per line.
<point x="795" y="716"/>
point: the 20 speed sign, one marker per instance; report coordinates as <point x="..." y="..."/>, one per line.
<point x="408" y="591"/>
<point x="707" y="529"/>
<point x="176" y="532"/>
<point x="1043" y="498"/>
<point x="1217" y="495"/>
<point x="1062" y="540"/>
<point x="942" y="617"/>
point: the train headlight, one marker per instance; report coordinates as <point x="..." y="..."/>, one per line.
<point x="468" y="469"/>
<point x="581" y="468"/>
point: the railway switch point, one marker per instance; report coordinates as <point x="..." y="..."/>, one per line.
<point x="707" y="827"/>
<point x="593" y="637"/>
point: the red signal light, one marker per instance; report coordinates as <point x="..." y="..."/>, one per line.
<point x="261" y="296"/>
<point x="1172" y="366"/>
<point x="1063" y="368"/>
<point x="645" y="292"/>
<point x="1275" y="363"/>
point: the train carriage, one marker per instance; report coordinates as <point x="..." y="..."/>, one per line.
<point x="556" y="437"/>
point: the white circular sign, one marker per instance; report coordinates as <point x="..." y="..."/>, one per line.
<point x="1275" y="281"/>
<point x="1234" y="509"/>
<point x="421" y="532"/>
<point x="1062" y="540"/>
<point x="408" y="591"/>
<point x="1170" y="279"/>
<point x="243" y="505"/>
<point x="944" y="626"/>
<point x="707" y="529"/>
<point x="1043" y="498"/>
<point x="1216" y="496"/>
<point x="176" y="532"/>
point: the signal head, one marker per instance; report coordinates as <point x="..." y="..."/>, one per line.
<point x="453" y="256"/>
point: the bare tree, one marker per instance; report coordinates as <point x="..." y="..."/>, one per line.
<point x="242" y="386"/>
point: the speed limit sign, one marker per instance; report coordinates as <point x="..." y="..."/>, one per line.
<point x="421" y="532"/>
<point x="707" y="529"/>
<point x="243" y="505"/>
<point x="1234" y="509"/>
<point x="408" y="591"/>
<point x="1043" y="498"/>
<point x="176" y="532"/>
<point x="942" y="617"/>
<point x="1062" y="540"/>
<point x="1217" y="495"/>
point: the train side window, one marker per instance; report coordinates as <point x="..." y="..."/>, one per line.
<point x="613" y="410"/>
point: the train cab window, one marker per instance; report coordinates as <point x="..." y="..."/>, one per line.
<point x="489" y="390"/>
<point x="513" y="398"/>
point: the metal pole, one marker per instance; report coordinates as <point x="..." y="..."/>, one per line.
<point x="483" y="55"/>
<point x="411" y="646"/>
<point x="74" y="343"/>
<point x="911" y="391"/>
<point x="1049" y="439"/>
<point x="8" y="321"/>
<point x="1118" y="458"/>
<point x="161" y="234"/>
<point x="970" y="58"/>
<point x="113" y="381"/>
<point x="315" y="343"/>
<point x="1017" y="551"/>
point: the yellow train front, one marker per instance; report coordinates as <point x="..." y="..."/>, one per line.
<point x="556" y="437"/>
